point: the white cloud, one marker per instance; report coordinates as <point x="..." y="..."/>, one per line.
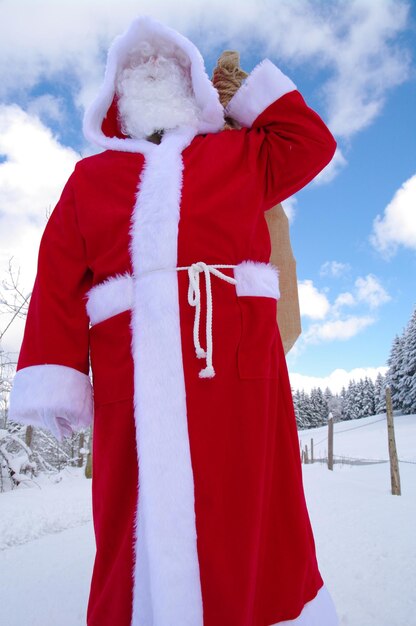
<point x="46" y="107"/>
<point x="313" y="303"/>
<point x="334" y="268"/>
<point x="31" y="180"/>
<point x="356" y="43"/>
<point x="34" y="48"/>
<point x="336" y="164"/>
<point x="367" y="62"/>
<point x="335" y="324"/>
<point x="337" y="329"/>
<point x="370" y="291"/>
<point x="397" y="227"/>
<point x="336" y="380"/>
<point x="344" y="299"/>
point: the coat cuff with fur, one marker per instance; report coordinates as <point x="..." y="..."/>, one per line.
<point x="41" y="393"/>
<point x="264" y="85"/>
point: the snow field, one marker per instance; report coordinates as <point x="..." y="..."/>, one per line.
<point x="365" y="537"/>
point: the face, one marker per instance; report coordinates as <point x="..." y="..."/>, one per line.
<point x="155" y="95"/>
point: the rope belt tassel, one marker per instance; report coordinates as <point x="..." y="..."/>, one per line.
<point x="194" y="299"/>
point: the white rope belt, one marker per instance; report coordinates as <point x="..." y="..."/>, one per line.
<point x="194" y="299"/>
<point x="254" y="278"/>
<point x="116" y="295"/>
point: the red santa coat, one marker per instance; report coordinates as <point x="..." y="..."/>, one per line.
<point x="199" y="510"/>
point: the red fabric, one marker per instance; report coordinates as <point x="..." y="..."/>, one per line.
<point x="114" y="497"/>
<point x="255" y="543"/>
<point x="111" y="125"/>
<point x="56" y="329"/>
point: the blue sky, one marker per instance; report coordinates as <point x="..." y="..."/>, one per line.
<point x="352" y="60"/>
<point x="334" y="223"/>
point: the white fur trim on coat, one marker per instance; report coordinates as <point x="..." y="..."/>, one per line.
<point x="41" y="393"/>
<point x="257" y="279"/>
<point x="264" y="85"/>
<point x="116" y="294"/>
<point x="112" y="296"/>
<point x="142" y="28"/>
<point x="320" y="611"/>
<point x="167" y="586"/>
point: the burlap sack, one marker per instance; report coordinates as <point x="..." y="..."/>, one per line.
<point x="227" y="78"/>
<point x="288" y="312"/>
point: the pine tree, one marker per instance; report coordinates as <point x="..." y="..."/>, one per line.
<point x="297" y="407"/>
<point x="359" y="398"/>
<point x="393" y="376"/>
<point x="347" y="402"/>
<point x="322" y="406"/>
<point x="318" y="407"/>
<point x="353" y="401"/>
<point x="407" y="383"/>
<point x="368" y="398"/>
<point x="380" y="394"/>
<point x="343" y="401"/>
<point x="302" y="411"/>
<point x="328" y="395"/>
<point x="306" y="409"/>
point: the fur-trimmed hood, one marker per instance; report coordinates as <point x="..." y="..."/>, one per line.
<point x="100" y="121"/>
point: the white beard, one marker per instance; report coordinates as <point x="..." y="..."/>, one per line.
<point x="155" y="95"/>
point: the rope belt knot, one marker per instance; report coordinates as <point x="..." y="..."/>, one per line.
<point x="194" y="299"/>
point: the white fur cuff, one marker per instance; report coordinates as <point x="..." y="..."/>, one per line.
<point x="44" y="392"/>
<point x="265" y="84"/>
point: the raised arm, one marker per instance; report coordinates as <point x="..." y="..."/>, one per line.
<point x="290" y="142"/>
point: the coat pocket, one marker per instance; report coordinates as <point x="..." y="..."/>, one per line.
<point x="111" y="359"/>
<point x="257" y="288"/>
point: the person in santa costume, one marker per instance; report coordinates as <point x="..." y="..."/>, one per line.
<point x="154" y="268"/>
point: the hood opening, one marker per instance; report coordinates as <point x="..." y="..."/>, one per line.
<point x="101" y="125"/>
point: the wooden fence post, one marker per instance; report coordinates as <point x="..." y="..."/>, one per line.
<point x="330" y="442"/>
<point x="306" y="457"/>
<point x="311" y="450"/>
<point x="394" y="463"/>
<point x="29" y="436"/>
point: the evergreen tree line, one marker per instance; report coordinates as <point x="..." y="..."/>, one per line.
<point x="401" y="375"/>
<point x="360" y="399"/>
<point x="365" y="397"/>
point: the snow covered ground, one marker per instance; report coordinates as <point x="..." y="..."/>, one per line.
<point x="365" y="537"/>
